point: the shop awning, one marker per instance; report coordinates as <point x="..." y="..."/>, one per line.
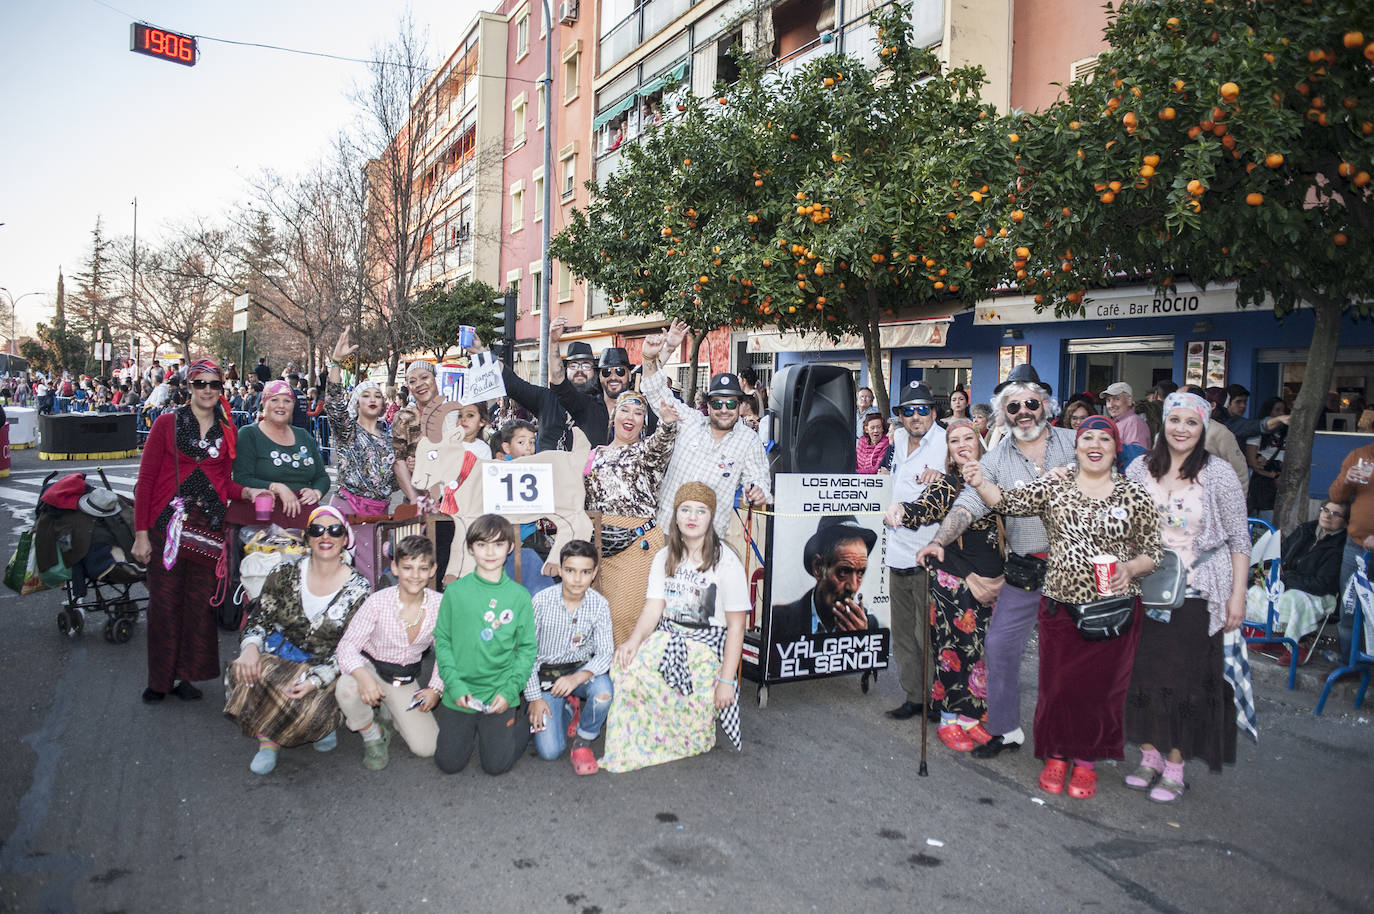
<point x="671" y="76"/>
<point x="900" y="335"/>
<point x="611" y="113"/>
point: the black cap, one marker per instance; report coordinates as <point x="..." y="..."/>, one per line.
<point x="579" y="351"/>
<point x="725" y="383"/>
<point x="914" y="392"/>
<point x="614" y="357"/>
<point x="1023" y="374"/>
<point x="832" y="530"/>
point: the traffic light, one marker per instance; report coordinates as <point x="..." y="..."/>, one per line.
<point x="505" y="346"/>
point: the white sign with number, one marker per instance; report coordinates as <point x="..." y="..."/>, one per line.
<point x="517" y="488"/>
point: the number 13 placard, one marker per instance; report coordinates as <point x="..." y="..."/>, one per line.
<point x="517" y="488"/>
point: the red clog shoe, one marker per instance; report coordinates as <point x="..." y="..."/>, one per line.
<point x="1082" y="783"/>
<point x="979" y="735"/>
<point x="954" y="736"/>
<point x="1053" y="774"/>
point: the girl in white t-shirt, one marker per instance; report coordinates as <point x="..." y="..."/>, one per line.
<point x="679" y="669"/>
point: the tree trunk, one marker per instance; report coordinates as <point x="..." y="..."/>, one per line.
<point x="873" y="355"/>
<point x="689" y="394"/>
<point x="1290" y="507"/>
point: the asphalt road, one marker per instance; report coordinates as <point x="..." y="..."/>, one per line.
<point x="107" y="804"/>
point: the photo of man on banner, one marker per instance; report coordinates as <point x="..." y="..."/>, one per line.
<point x="836" y="556"/>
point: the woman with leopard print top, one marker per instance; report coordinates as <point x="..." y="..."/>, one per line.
<point x="1092" y="510"/>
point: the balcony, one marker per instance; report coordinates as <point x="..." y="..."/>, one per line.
<point x="645" y="22"/>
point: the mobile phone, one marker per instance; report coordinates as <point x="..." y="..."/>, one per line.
<point x="418" y="700"/>
<point x="476" y="704"/>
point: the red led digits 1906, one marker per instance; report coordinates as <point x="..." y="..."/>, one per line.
<point x="162" y="44"/>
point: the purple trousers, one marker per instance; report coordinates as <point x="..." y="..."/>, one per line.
<point x="1013" y="617"/>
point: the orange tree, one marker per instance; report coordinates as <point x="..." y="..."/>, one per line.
<point x="1222" y="141"/>
<point x="824" y="199"/>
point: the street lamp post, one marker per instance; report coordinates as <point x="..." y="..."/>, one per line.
<point x="546" y="272"/>
<point x="14" y="313"/>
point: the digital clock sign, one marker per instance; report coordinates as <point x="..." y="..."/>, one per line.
<point x="162" y="44"/>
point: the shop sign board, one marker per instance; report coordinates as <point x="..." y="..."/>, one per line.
<point x="1186" y="300"/>
<point x="802" y="644"/>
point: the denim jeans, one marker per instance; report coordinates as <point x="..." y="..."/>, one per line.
<point x="553" y="739"/>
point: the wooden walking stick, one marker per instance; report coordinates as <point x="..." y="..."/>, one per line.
<point x="925" y="674"/>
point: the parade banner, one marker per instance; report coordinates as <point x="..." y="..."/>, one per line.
<point x="829" y="610"/>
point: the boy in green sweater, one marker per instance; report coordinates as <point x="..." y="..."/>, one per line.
<point x="484" y="646"/>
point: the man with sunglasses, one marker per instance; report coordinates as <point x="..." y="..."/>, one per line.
<point x="918" y="447"/>
<point x="1031" y="448"/>
<point x="588" y="403"/>
<point x="720" y="451"/>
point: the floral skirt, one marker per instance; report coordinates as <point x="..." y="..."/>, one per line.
<point x="958" y="625"/>
<point x="650" y="722"/>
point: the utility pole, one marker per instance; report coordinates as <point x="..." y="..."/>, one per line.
<point x="546" y="273"/>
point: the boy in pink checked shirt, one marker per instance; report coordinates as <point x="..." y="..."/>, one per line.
<point x="379" y="660"/>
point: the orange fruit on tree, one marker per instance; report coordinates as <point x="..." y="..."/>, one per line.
<point x="1194" y="132"/>
<point x="1168" y="114"/>
<point x="1339" y="239"/>
<point x="1023" y="252"/>
<point x="723" y="100"/>
<point x="1017" y="215"/>
<point x="1129" y="119"/>
<point x="1352" y="40"/>
<point x="1172" y="22"/>
<point x="1013" y="137"/>
<point x="979" y="241"/>
<point x="1229" y="91"/>
<point x="1178" y="85"/>
<point x="1196" y="187"/>
<point x="1361" y="179"/>
<point x="1274" y="159"/>
<point x="1107" y="197"/>
<point x="1114" y="186"/>
<point x="1345" y="170"/>
<point x="1074" y="125"/>
<point x="1147" y="171"/>
<point x="1254" y="198"/>
<point x="1151" y="160"/>
<point x="878" y="258"/>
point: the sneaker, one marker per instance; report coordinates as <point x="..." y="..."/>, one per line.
<point x="264" y="762"/>
<point x="376" y="752"/>
<point x="328" y="743"/>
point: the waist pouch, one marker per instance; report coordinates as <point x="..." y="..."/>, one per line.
<point x="1101" y="620"/>
<point x="395" y="673"/>
<point x="549" y="673"/>
<point x="280" y="645"/>
<point x="1025" y="571"/>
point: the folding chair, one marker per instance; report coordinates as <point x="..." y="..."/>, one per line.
<point x="1265" y="554"/>
<point x="1359" y="596"/>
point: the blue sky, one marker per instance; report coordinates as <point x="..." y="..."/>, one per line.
<point x="88" y="125"/>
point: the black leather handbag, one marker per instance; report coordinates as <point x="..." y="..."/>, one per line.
<point x="1102" y="620"/>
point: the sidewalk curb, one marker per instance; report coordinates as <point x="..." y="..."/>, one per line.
<point x="1307" y="687"/>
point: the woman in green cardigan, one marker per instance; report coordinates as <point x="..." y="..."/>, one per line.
<point x="276" y="457"/>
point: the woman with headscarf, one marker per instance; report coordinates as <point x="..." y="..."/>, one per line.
<point x="622" y="480"/>
<point x="184" y="478"/>
<point x="963" y="589"/>
<point x="276" y="457"/>
<point x="1088" y="512"/>
<point x="281" y="687"/>
<point x="679" y="669"/>
<point x="364" y="452"/>
<point x="1180" y="705"/>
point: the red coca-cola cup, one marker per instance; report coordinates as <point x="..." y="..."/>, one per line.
<point x="1104" y="566"/>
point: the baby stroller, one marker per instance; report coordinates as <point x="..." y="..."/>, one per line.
<point x="83" y="540"/>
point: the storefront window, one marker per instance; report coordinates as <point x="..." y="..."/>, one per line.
<point x="1141" y="361"/>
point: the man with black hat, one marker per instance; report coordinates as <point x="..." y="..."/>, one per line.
<point x="1032" y="447"/>
<point x="555" y="428"/>
<point x="836" y="555"/>
<point x="720" y="451"/>
<point x="575" y="383"/>
<point x="918" y="447"/>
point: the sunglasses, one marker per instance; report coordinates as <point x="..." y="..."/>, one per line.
<point x="724" y="404"/>
<point x="334" y="530"/>
<point x="916" y="409"/>
<point x="1031" y="405"/>
<point x="213" y="385"/>
<point x="618" y="372"/>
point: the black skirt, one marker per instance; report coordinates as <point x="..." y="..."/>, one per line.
<point x="1179" y="697"/>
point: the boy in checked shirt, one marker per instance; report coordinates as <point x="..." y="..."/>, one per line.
<point x="379" y="659"/>
<point x="573" y="626"/>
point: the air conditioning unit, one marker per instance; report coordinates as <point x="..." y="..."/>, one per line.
<point x="567" y="12"/>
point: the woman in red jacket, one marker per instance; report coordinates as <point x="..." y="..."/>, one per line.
<point x="184" y="478"/>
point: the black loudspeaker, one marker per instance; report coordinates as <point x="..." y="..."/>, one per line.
<point x="813" y="424"/>
<point x="93" y="435"/>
